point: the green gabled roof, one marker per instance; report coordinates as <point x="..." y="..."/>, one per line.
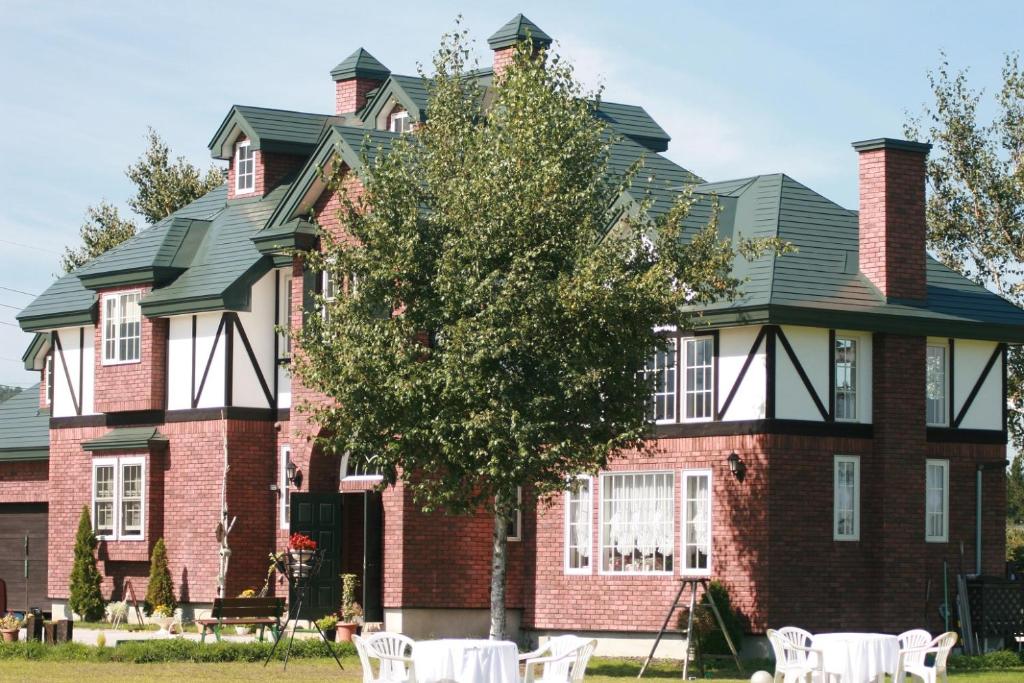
<point x="159" y="253"/>
<point x="360" y="64"/>
<point x="225" y="265"/>
<point x="408" y="91"/>
<point x="658" y="179"/>
<point x="39" y="344"/>
<point x="270" y="130"/>
<point x="24" y="427"/>
<point x="516" y="29"/>
<point x="65" y="303"/>
<point x="635" y="123"/>
<point x="126" y="439"/>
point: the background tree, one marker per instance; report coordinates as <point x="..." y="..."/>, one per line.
<point x="7" y="392"/>
<point x="160" y="590"/>
<point x="515" y="359"/>
<point x="85" y="598"/>
<point x="161" y="188"/>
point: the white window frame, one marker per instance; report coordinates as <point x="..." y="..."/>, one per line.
<point x="119" y="300"/>
<point x="600" y="525"/>
<point x="681" y="369"/>
<point x="944" y="403"/>
<point x="568" y="523"/>
<point x="251" y="175"/>
<point x="858" y="385"/>
<point x="944" y="536"/>
<point x="671" y="388"/>
<point x="516" y="523"/>
<point x="697" y="571"/>
<point x="119" y="463"/>
<point x="48" y="377"/>
<point x="284" y="311"/>
<point x="403" y="120"/>
<point x="284" y="489"/>
<point x="345" y="476"/>
<point x="836" y="461"/>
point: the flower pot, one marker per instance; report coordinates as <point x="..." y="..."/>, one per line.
<point x="346" y="631"/>
<point x="301" y="563"/>
<point x="166" y="624"/>
<point x="331" y="634"/>
<point x="10" y="634"/>
<point x="244" y="630"/>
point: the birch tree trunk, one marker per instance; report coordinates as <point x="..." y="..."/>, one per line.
<point x="499" y="566"/>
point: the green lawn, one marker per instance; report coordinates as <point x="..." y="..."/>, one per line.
<point x="601" y="671"/>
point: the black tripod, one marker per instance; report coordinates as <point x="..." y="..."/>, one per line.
<point x="300" y="568"/>
<point x="692" y="583"/>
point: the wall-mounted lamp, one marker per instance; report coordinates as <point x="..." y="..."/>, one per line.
<point x="294" y="474"/>
<point x="736" y="466"/>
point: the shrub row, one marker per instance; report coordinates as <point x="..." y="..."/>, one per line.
<point x="172" y="650"/>
<point x="1000" y="659"/>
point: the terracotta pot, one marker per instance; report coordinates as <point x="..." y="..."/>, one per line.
<point x="345" y="632"/>
<point x="10" y="635"/>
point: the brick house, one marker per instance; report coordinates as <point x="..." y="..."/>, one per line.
<point x="830" y="423"/>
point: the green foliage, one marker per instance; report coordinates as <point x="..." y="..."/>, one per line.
<point x="1014" y="543"/>
<point x="976" y="182"/>
<point x="350" y="609"/>
<point x="7" y="392"/>
<point x="173" y="650"/>
<point x="990" y="661"/>
<point x="161" y="589"/>
<point x="705" y="626"/>
<point x="327" y="623"/>
<point x="104" y="229"/>
<point x="1015" y="491"/>
<point x="163" y="187"/>
<point x="85" y="598"/>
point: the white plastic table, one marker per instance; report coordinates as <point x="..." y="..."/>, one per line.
<point x="466" y="661"/>
<point x="858" y="657"/>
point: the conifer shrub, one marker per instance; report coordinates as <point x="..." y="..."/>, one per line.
<point x="160" y="590"/>
<point x="85" y="598"/>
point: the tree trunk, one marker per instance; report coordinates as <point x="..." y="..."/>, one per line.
<point x="499" y="566"/>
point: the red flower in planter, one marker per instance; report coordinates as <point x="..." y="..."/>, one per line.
<point x="301" y="542"/>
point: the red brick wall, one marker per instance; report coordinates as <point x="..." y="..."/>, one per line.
<point x="132" y="386"/>
<point x="502" y="58"/>
<point x="350" y="95"/>
<point x="892" y="221"/>
<point x="24" y="482"/>
<point x="269" y="170"/>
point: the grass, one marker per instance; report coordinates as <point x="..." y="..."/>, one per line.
<point x="105" y="626"/>
<point x="602" y="670"/>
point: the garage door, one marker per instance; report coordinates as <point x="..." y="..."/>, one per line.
<point x="22" y="524"/>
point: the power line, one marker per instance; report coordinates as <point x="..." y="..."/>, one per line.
<point x="2" y="322"/>
<point x="31" y="246"/>
<point x="17" y="308"/>
<point x="16" y="291"/>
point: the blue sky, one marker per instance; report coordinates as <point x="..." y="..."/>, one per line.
<point x="742" y="87"/>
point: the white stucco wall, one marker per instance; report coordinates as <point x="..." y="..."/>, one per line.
<point x="749" y="402"/>
<point x="259" y="329"/>
<point x="792" y="400"/>
<point x="969" y="360"/>
<point x="77" y="344"/>
<point x="181" y="367"/>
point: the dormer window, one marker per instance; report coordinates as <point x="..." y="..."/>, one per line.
<point x="400" y="122"/>
<point x="245" y="168"/>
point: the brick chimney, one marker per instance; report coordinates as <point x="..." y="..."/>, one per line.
<point x="892" y="216"/>
<point x="354" y="77"/>
<point x="505" y="39"/>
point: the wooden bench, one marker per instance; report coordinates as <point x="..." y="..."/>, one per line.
<point x="262" y="612"/>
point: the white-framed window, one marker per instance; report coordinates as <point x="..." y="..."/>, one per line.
<point x="936" y="501"/>
<point x="122" y="327"/>
<point x="697" y="513"/>
<point x="698" y="378"/>
<point x="400" y="122"/>
<point x="284" y="316"/>
<point x="357" y="469"/>
<point x="515" y="524"/>
<point x="329" y="291"/>
<point x="937" y="385"/>
<point x="579" y="526"/>
<point x="48" y="377"/>
<point x="845" y="368"/>
<point x="284" y="488"/>
<point x="637" y="523"/>
<point x="846" y="498"/>
<point x="245" y="168"/>
<point x="119" y="498"/>
<point x="662" y="367"/>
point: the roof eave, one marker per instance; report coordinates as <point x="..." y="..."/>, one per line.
<point x="24" y="454"/>
<point x="52" y="321"/>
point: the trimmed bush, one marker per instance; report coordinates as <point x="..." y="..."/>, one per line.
<point x="161" y="589"/>
<point x="705" y="626"/>
<point x="85" y="598"/>
<point x="990" y="661"/>
<point x="174" y="650"/>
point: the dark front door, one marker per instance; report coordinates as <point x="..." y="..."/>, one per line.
<point x="318" y="515"/>
<point x="23" y="555"/>
<point x="373" y="532"/>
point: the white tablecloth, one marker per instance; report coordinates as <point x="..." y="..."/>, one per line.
<point x="858" y="657"/>
<point x="466" y="661"/>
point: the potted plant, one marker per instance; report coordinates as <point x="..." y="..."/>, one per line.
<point x="246" y="630"/>
<point x="327" y="625"/>
<point x="9" y="626"/>
<point x="351" y="612"/>
<point x="164" y="616"/>
<point x="117" y="613"/>
<point x="300" y="551"/>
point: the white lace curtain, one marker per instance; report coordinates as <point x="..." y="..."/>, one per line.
<point x="580" y="519"/>
<point x="641" y="514"/>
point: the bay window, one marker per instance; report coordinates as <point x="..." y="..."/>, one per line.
<point x="937" y="501"/>
<point x="578" y="527"/>
<point x="687" y="394"/>
<point x="698" y="370"/>
<point x="118" y="498"/>
<point x="122" y="327"/>
<point x="637" y="522"/>
<point x="936" y="386"/>
<point x="696" y="522"/>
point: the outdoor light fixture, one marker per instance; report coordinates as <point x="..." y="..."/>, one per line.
<point x="736" y="466"/>
<point x="293" y="474"/>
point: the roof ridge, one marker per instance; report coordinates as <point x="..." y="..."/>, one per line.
<point x="283" y="111"/>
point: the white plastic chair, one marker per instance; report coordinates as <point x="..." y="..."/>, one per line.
<point x="799" y="638"/>
<point x="914" y="639"/>
<point x="392" y="651"/>
<point x="911" y="660"/>
<point x="796" y="660"/>
<point x="563" y="660"/>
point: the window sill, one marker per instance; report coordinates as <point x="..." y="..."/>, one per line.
<point x="106" y="362"/>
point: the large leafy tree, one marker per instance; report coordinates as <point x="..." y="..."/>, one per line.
<point x="976" y="190"/>
<point x="494" y="328"/>
<point x="161" y="188"/>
